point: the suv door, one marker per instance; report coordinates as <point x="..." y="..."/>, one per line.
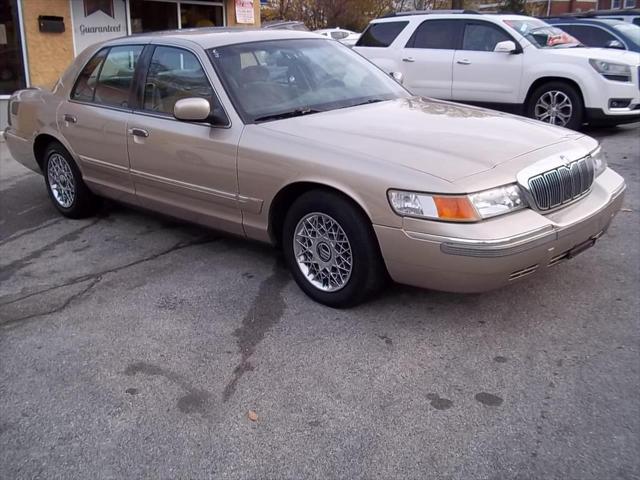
<point x="186" y="169"/>
<point x="93" y="120"/>
<point x="428" y="58"/>
<point x="479" y="73"/>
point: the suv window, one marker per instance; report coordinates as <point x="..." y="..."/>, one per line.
<point x="436" y="34"/>
<point x="482" y="37"/>
<point x="86" y="83"/>
<point x="589" y="35"/>
<point x="116" y="76"/>
<point x="174" y="74"/>
<point x="340" y="35"/>
<point x="381" y="34"/>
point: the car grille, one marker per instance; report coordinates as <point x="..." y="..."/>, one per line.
<point x="562" y="184"/>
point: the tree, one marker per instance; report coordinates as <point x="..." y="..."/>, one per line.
<point x="513" y="6"/>
<point x="351" y="14"/>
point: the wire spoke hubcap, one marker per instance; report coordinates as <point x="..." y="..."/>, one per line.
<point x="554" y="107"/>
<point x="323" y="252"/>
<point x="61" y="181"/>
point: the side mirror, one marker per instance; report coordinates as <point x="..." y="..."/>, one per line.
<point x="192" y="109"/>
<point x="397" y="76"/>
<point x="615" y="44"/>
<point x="507" y="46"/>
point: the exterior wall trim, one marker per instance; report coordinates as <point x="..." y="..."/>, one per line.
<point x="25" y="64"/>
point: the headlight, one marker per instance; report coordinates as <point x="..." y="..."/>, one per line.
<point x="457" y="208"/>
<point x="612" y="71"/>
<point x="599" y="162"/>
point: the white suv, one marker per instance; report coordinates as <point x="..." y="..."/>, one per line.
<point x="509" y="62"/>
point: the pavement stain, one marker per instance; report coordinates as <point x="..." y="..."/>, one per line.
<point x="439" y="403"/>
<point x="195" y="400"/>
<point x="489" y="399"/>
<point x="266" y="311"/>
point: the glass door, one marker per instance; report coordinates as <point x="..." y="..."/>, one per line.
<point x="151" y="16"/>
<point x="12" y="75"/>
<point x="154" y="15"/>
<point x="194" y="15"/>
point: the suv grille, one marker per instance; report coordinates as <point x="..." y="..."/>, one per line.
<point x="562" y="184"/>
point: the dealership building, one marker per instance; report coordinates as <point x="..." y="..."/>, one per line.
<point x="39" y="38"/>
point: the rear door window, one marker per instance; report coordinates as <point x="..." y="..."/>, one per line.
<point x="437" y="34"/>
<point x="381" y="34"/>
<point x="85" y="85"/>
<point x="116" y="76"/>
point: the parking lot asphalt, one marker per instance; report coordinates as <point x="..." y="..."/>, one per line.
<point x="133" y="346"/>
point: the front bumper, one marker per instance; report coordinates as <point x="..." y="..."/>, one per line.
<point x="528" y="242"/>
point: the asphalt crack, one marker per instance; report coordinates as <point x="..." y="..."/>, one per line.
<point x="95" y="278"/>
<point x="11" y="268"/>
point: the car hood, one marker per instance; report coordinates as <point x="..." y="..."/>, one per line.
<point x="443" y="139"/>
<point x="610" y="54"/>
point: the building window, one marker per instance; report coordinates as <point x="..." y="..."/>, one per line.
<point x="615" y="4"/>
<point x="629" y="3"/>
<point x="154" y="15"/>
<point x="12" y="76"/>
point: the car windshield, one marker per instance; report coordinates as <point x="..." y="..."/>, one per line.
<point x="276" y="79"/>
<point x="543" y="35"/>
<point x="630" y="31"/>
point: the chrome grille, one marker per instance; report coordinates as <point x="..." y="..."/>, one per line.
<point x="562" y="184"/>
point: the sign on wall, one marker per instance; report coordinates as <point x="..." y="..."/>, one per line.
<point x="244" y="11"/>
<point x="97" y="20"/>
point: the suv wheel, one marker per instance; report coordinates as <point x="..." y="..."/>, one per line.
<point x="65" y="186"/>
<point x="331" y="249"/>
<point x="557" y="103"/>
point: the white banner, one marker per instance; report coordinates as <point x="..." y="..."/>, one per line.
<point x="244" y="11"/>
<point x="97" y="20"/>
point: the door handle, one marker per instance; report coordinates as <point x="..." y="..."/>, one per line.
<point x="408" y="59"/>
<point x="138" y="132"/>
<point x="70" y="118"/>
<point x="464" y="62"/>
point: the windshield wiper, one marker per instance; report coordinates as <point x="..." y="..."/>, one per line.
<point x="366" y="102"/>
<point x="298" y="112"/>
<point x="371" y="100"/>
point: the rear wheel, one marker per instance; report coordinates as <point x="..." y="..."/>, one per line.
<point x="557" y="103"/>
<point x="65" y="186"/>
<point x="331" y="249"/>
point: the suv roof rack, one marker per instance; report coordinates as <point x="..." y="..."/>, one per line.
<point x="428" y="12"/>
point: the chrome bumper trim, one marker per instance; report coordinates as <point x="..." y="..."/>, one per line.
<point x="514" y="245"/>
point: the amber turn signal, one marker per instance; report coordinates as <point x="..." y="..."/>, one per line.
<point x="456" y="209"/>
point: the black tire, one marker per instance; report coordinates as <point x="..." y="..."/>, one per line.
<point x="577" y="105"/>
<point x="82" y="203"/>
<point x="368" y="273"/>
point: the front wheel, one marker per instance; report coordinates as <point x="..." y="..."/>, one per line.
<point x="557" y="103"/>
<point x="331" y="249"/>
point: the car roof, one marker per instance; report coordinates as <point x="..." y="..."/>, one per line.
<point x="448" y="14"/>
<point x="594" y="21"/>
<point x="211" y="37"/>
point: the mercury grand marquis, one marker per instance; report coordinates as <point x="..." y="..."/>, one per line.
<point x="293" y="139"/>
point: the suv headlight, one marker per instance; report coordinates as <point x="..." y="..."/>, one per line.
<point x="458" y="208"/>
<point x="599" y="162"/>
<point x="612" y="71"/>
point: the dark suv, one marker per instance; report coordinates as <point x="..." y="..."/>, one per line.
<point x="600" y="32"/>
